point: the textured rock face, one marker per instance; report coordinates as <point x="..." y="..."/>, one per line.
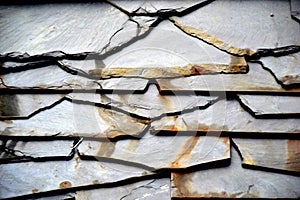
<point x="149" y="99"/>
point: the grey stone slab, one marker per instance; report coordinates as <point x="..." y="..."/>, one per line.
<point x="256" y="80"/>
<point x="148" y="190"/>
<point x="285" y="68"/>
<point x="270" y="153"/>
<point x="225" y="116"/>
<point x="54" y="78"/>
<point x="150" y="104"/>
<point x="24" y="105"/>
<point x="264" y="105"/>
<point x="26" y="178"/>
<point x="167" y="46"/>
<point x="234" y="182"/>
<point x="69" y="119"/>
<point x="269" y="24"/>
<point x="161" y="152"/>
<point x="71" y="28"/>
<point x="17" y="149"/>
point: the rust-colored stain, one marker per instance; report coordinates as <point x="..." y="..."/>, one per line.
<point x="185" y="151"/>
<point x="35" y="191"/>
<point x="106" y="149"/>
<point x="95" y="182"/>
<point x="76" y="162"/>
<point x="293" y="155"/>
<point x="65" y="184"/>
<point x="182" y="184"/>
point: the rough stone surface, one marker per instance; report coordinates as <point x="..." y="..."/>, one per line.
<point x="73" y="119"/>
<point x="148" y="190"/>
<point x="285" y="68"/>
<point x="270" y="153"/>
<point x="264" y="105"/>
<point x="234" y="182"/>
<point x="225" y="116"/>
<point x="157" y="152"/>
<point x="58" y="175"/>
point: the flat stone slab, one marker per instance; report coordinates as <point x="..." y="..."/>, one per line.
<point x="158" y="152"/>
<point x="234" y="182"/>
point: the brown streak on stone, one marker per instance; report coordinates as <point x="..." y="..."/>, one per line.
<point x="106" y="149"/>
<point x="293" y="155"/>
<point x="186" y="151"/>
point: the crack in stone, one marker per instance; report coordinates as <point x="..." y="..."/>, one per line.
<point x="142" y="186"/>
<point x="161" y="13"/>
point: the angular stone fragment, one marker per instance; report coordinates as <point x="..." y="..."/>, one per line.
<point x="16" y="149"/>
<point x="54" y="78"/>
<point x="270" y="153"/>
<point x="256" y="80"/>
<point x="279" y="29"/>
<point x="75" y="119"/>
<point x="234" y="182"/>
<point x="24" y="105"/>
<point x="160" y="50"/>
<point x="161" y="152"/>
<point x="150" y="104"/>
<point x="148" y="190"/>
<point x="28" y="28"/>
<point x="225" y="116"/>
<point x="264" y="105"/>
<point x="285" y="68"/>
<point x="26" y="178"/>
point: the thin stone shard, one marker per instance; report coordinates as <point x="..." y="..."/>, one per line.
<point x="27" y="178"/>
<point x="264" y="105"/>
<point x="225" y="116"/>
<point x="234" y="182"/>
<point x="256" y="80"/>
<point x="69" y="119"/>
<point x="157" y="152"/>
<point x="270" y="153"/>
<point x="149" y="189"/>
<point x="170" y="72"/>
